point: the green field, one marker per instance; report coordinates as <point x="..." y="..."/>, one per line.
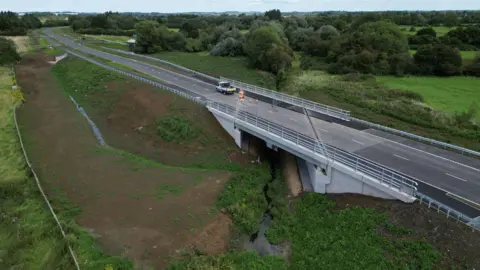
<point x="174" y="29"/>
<point x="235" y="68"/>
<point x="441" y="30"/>
<point x="452" y="94"/>
<point x="111" y="38"/>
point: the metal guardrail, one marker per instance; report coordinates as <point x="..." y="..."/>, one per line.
<point x="431" y="203"/>
<point x="193" y="72"/>
<point x="385" y="175"/>
<point x="304" y="103"/>
<point x="416" y="137"/>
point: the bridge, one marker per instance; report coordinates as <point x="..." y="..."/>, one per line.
<point x="336" y="157"/>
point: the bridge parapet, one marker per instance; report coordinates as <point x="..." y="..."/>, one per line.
<point x="313" y="151"/>
<point x="289" y="99"/>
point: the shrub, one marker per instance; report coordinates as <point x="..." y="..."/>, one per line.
<point x="8" y="52"/>
<point x="228" y="47"/>
<point x="429" y="31"/>
<point x="438" y="59"/>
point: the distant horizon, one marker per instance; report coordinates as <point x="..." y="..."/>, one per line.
<point x="235" y="6"/>
<point x="240" y="12"/>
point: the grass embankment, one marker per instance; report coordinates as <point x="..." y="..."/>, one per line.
<point x="177" y="124"/>
<point x="110" y="38"/>
<point x="29" y="236"/>
<point x="451" y="94"/>
<point x="230" y="67"/>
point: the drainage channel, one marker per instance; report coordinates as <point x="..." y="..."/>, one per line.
<point x="258" y="240"/>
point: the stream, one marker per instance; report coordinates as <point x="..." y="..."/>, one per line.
<point x="258" y="240"/>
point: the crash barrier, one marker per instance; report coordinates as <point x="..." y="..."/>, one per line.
<point x="451" y="213"/>
<point x="440" y="144"/>
<point x="289" y="99"/>
<point x="192" y="72"/>
<point x="96" y="131"/>
<point x="39" y="185"/>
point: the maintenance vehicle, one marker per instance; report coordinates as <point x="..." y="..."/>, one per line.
<point x="225" y="88"/>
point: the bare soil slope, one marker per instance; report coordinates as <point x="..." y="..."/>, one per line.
<point x="137" y="208"/>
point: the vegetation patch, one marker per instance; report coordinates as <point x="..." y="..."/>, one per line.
<point x="243" y="199"/>
<point x="241" y="260"/>
<point x="323" y="237"/>
<point x="177" y="129"/>
<point x="453" y="94"/>
<point x="166" y="189"/>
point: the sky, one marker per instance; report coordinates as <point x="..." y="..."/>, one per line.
<point x="168" y="6"/>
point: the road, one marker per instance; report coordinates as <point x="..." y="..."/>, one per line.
<point x="442" y="170"/>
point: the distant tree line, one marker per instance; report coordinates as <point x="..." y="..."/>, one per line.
<point x="340" y="42"/>
<point x="13" y="25"/>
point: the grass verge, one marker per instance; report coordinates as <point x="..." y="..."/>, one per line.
<point x="29" y="236"/>
<point x="230" y="67"/>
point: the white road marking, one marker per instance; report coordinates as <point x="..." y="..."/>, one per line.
<point x="404" y="158"/>
<point x="425" y="152"/>
<point x="451" y="175"/>
<point x="463" y="200"/>
<point x="358" y="142"/>
<point x="293" y="119"/>
<point x="324" y="130"/>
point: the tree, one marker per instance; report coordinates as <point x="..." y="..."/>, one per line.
<point x="31" y="21"/>
<point x="191" y="28"/>
<point x="266" y="50"/>
<point x="228" y="47"/>
<point x="298" y="37"/>
<point x="8" y="52"/>
<point x="149" y="36"/>
<point x="438" y="59"/>
<point x="427" y="31"/>
<point x="327" y="32"/>
<point x="473" y="69"/>
<point x="274" y="14"/>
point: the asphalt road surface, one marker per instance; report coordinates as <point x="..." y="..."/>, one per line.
<point x="440" y="171"/>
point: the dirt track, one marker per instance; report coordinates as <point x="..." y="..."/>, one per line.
<point x="124" y="202"/>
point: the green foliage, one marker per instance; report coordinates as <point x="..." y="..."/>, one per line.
<point x="246" y="260"/>
<point x="429" y="31"/>
<point x="268" y="51"/>
<point x="175" y="128"/>
<point x="8" y="52"/>
<point x="368" y="49"/>
<point x="439" y="60"/>
<point x="323" y="237"/>
<point x="274" y="14"/>
<point x="153" y="37"/>
<point x="243" y="199"/>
